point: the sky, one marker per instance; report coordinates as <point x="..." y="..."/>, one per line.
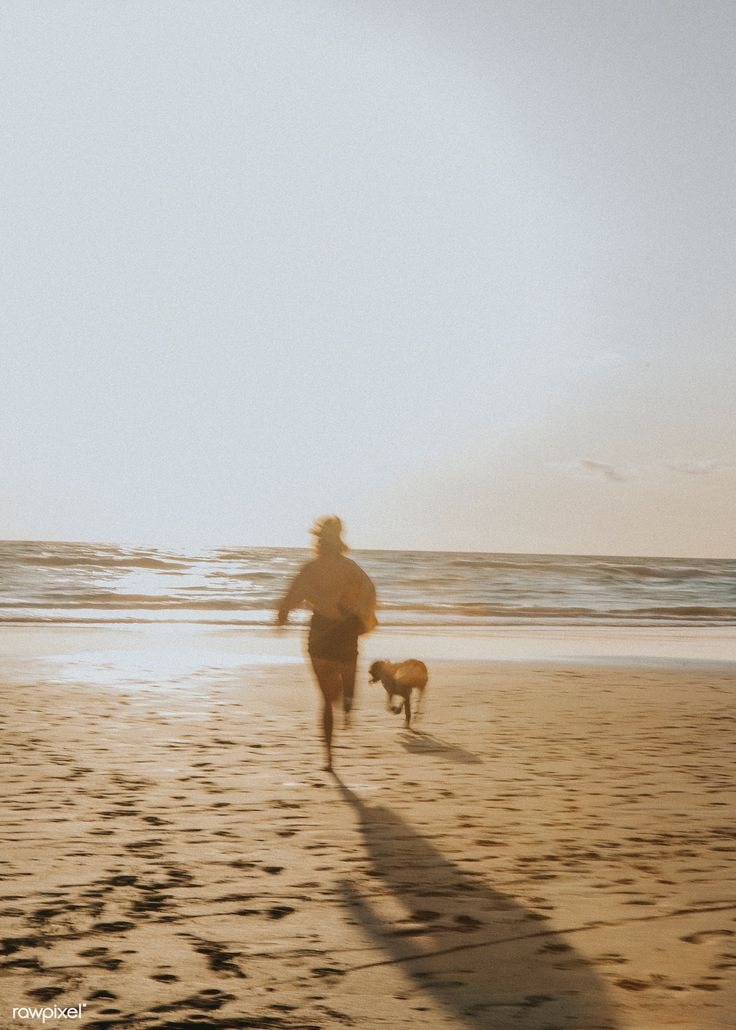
<point x="464" y="274"/>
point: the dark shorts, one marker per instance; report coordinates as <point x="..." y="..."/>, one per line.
<point x="333" y="639"/>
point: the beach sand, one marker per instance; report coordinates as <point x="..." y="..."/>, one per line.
<point x="553" y="847"/>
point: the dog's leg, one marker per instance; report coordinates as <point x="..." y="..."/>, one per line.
<point x="407" y="709"/>
<point x="418" y="705"/>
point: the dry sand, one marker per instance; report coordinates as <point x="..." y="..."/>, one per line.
<point x="552" y="848"/>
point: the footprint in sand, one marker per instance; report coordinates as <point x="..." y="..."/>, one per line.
<point x="208" y="1000"/>
<point x="554" y="946"/>
<point x="613" y="958"/>
<point x="707" y="935"/>
<point x="46" y="993"/>
<point x="633" y="985"/>
<point x="218" y="958"/>
<point x="279" y="911"/>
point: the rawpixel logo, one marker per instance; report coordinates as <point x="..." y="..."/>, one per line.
<point x="47" y="1012"/>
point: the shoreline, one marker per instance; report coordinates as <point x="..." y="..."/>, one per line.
<point x="255" y="644"/>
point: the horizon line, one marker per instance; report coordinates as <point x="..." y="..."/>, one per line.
<point x="396" y="550"/>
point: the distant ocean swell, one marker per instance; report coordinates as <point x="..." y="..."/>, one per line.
<point x="90" y="583"/>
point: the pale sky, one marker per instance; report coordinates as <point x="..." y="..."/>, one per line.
<point x="462" y="272"/>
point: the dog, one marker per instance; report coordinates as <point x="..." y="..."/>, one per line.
<point x="399" y="680"/>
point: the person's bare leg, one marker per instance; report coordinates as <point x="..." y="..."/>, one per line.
<point x="348" y="689"/>
<point x="327" y="723"/>
<point x="329" y="680"/>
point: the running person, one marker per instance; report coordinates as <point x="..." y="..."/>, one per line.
<point x="343" y="601"/>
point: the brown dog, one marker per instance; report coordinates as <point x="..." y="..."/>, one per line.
<point x="399" y="679"/>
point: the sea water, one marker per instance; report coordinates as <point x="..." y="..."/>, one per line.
<point x="49" y="582"/>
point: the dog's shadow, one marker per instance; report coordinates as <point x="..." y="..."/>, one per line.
<point x="490" y="961"/>
<point x="421" y="743"/>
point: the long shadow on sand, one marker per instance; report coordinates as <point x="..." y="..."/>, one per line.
<point x="420" y="743"/>
<point x="491" y="962"/>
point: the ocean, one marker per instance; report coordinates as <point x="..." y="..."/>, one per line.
<point x="51" y="582"/>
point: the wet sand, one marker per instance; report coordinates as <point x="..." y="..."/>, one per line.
<point x="552" y="848"/>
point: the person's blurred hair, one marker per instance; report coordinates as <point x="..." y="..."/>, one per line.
<point x="328" y="535"/>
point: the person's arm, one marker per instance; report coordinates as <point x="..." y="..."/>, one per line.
<point x="359" y="600"/>
<point x="292" y="598"/>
